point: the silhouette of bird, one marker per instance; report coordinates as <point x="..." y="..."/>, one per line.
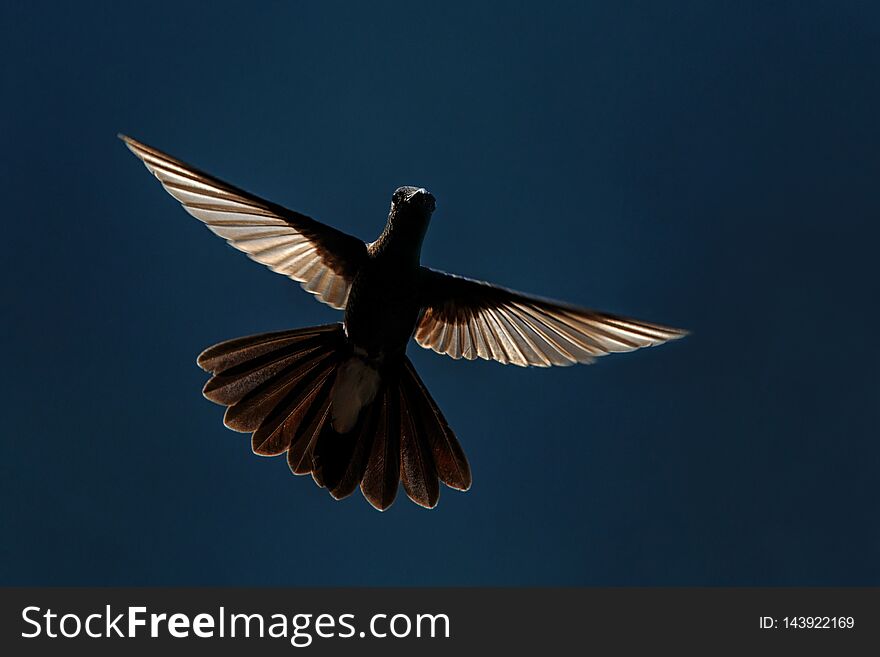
<point x="343" y="401"/>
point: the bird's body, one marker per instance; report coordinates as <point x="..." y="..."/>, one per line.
<point x="383" y="305"/>
<point x="380" y="316"/>
<point x="343" y="401"/>
<point x="382" y="309"/>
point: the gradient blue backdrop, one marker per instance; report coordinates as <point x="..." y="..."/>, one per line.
<point x="710" y="165"/>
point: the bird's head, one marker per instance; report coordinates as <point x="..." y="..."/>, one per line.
<point x="411" y="209"/>
<point x="416" y="201"/>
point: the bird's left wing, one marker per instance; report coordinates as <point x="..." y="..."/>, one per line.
<point x="322" y="258"/>
<point x="471" y="319"/>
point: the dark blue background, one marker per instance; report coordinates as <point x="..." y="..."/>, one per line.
<point x="709" y="165"/>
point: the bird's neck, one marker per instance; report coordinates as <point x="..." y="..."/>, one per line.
<point x="402" y="243"/>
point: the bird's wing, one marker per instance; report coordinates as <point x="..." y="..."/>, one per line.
<point x="470" y="319"/>
<point x="322" y="258"/>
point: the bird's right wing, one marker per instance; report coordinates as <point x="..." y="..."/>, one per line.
<point x="322" y="258"/>
<point x="470" y="319"/>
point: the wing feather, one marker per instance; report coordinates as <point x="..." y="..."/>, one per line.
<point x="470" y="319"/>
<point x="323" y="259"/>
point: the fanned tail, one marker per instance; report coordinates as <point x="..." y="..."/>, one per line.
<point x="280" y="387"/>
<point x="401" y="437"/>
<point x="276" y="386"/>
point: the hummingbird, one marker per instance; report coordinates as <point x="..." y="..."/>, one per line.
<point x="343" y="401"/>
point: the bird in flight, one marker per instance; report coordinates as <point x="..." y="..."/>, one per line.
<point x="343" y="401"/>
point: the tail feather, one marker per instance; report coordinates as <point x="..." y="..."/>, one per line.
<point x="242" y="365"/>
<point x="417" y="469"/>
<point x="280" y="386"/>
<point x="267" y="402"/>
<point x="280" y="429"/>
<point x="228" y="354"/>
<point x="382" y="476"/>
<point x="341" y="459"/>
<point x="230" y="386"/>
<point x="357" y="465"/>
<point x="452" y="465"/>
<point x="300" y="456"/>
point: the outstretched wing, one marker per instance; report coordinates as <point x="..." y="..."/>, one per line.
<point x="322" y="258"/>
<point x="471" y="319"/>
